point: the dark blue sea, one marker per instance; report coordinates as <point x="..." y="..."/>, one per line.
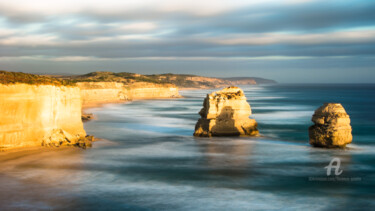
<point x="151" y="161"/>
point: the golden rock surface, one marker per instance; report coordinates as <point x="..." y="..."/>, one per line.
<point x="226" y="113"/>
<point x="35" y="115"/>
<point x="332" y="127"/>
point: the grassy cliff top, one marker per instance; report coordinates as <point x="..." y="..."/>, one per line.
<point x="180" y="80"/>
<point x="123" y="77"/>
<point x="26" y="78"/>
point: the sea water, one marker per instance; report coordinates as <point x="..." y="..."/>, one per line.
<point x="151" y="161"/>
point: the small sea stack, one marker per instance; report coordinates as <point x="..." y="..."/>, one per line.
<point x="332" y="127"/>
<point x="226" y="113"/>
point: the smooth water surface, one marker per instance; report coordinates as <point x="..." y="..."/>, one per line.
<point x="151" y="161"/>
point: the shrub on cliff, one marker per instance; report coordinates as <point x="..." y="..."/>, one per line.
<point x="123" y="77"/>
<point x="26" y="78"/>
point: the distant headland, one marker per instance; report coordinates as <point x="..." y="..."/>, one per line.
<point x="182" y="81"/>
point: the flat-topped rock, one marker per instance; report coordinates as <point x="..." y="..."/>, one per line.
<point x="225" y="113"/>
<point x="332" y="127"/>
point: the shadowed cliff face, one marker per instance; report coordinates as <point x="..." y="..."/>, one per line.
<point x="31" y="114"/>
<point x="225" y="124"/>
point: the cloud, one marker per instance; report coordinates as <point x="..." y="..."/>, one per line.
<point x="29" y="40"/>
<point x="345" y="37"/>
<point x="174" y="31"/>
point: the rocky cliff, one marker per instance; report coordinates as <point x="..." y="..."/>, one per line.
<point x="35" y="115"/>
<point x="226" y="113"/>
<point x="332" y="126"/>
<point x="94" y="93"/>
<point x="144" y="90"/>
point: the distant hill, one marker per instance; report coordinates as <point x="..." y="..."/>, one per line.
<point x="180" y="80"/>
<point x="190" y="81"/>
<point x="194" y="81"/>
<point x="249" y="80"/>
<point x="124" y="77"/>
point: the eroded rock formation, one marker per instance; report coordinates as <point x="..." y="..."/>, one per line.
<point x="226" y="113"/>
<point x="332" y="126"/>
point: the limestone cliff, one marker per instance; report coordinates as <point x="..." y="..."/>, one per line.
<point x="33" y="115"/>
<point x="332" y="126"/>
<point x="94" y="93"/>
<point x="226" y="113"/>
<point x="144" y="90"/>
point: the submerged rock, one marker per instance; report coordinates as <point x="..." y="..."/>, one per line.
<point x="226" y="113"/>
<point x="332" y="126"/>
<point x="87" y="117"/>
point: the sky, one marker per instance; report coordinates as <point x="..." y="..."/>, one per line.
<point x="291" y="41"/>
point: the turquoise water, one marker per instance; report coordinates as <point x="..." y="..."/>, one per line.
<point x="152" y="161"/>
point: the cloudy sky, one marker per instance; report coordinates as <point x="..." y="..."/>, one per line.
<point x="289" y="41"/>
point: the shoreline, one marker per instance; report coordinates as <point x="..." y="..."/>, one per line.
<point x="20" y="153"/>
<point x="36" y="149"/>
<point x="102" y="104"/>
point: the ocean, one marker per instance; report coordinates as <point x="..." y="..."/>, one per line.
<point x="151" y="161"/>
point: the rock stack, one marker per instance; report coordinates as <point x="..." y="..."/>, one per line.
<point x="332" y="127"/>
<point x="226" y="113"/>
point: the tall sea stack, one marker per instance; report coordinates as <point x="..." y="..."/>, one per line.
<point x="226" y="113"/>
<point x="332" y="127"/>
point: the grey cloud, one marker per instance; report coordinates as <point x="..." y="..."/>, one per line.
<point x="16" y="17"/>
<point x="316" y="16"/>
<point x="188" y="31"/>
<point x="188" y="48"/>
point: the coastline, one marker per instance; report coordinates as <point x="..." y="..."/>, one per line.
<point x="20" y="151"/>
<point x="25" y="154"/>
<point x="102" y="104"/>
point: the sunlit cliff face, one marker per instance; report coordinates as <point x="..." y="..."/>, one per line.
<point x="95" y="93"/>
<point x="32" y="113"/>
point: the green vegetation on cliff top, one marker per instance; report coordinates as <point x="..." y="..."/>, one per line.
<point x="123" y="77"/>
<point x="26" y="78"/>
<point x="180" y="80"/>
